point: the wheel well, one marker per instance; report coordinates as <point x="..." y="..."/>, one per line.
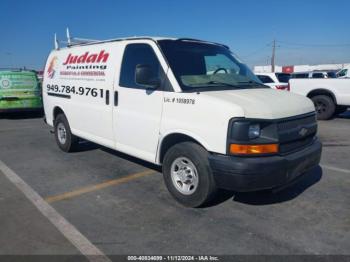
<point x="171" y="140"/>
<point x="57" y="110"/>
<point x="322" y="92"/>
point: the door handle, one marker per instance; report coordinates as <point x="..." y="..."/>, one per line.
<point x="107" y="97"/>
<point x="115" y="98"/>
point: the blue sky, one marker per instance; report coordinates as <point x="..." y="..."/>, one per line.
<point x="307" y="32"/>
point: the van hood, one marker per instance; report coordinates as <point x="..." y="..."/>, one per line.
<point x="265" y="103"/>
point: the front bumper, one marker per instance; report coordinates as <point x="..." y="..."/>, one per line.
<point x="245" y="174"/>
<point x="18" y="110"/>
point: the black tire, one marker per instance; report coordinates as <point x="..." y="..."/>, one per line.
<point x="325" y="107"/>
<point x="340" y="110"/>
<point x="71" y="141"/>
<point x="206" y="189"/>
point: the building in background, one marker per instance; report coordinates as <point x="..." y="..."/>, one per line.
<point x="299" y="68"/>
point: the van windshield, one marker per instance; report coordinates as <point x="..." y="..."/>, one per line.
<point x="202" y="66"/>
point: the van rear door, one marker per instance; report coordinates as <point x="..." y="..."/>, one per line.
<point x="79" y="80"/>
<point x="19" y="90"/>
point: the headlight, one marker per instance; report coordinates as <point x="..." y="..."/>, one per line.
<point x="254" y="131"/>
<point x="248" y="136"/>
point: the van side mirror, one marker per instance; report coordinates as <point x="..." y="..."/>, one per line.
<point x="145" y="76"/>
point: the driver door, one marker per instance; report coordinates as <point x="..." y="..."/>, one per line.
<point x="137" y="109"/>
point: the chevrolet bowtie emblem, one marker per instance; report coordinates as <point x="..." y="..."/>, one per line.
<point x="303" y="131"/>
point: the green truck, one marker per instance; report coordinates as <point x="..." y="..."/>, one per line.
<point x="20" y="90"/>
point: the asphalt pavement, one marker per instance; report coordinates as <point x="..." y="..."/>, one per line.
<point x="121" y="205"/>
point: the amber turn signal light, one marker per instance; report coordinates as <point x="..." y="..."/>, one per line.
<point x="253" y="149"/>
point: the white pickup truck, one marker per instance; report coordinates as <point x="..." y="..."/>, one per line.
<point x="330" y="96"/>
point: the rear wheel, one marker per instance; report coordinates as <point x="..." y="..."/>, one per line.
<point x="65" y="140"/>
<point x="187" y="174"/>
<point x="325" y="106"/>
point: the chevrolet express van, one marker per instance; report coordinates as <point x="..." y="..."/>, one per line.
<point x="19" y="91"/>
<point x="188" y="105"/>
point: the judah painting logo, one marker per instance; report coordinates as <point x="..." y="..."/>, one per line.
<point x="52" y="67"/>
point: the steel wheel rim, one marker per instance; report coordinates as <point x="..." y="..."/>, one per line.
<point x="184" y="175"/>
<point x="320" y="107"/>
<point x="61" y="133"/>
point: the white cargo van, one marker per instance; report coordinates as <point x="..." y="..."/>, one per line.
<point x="188" y="105"/>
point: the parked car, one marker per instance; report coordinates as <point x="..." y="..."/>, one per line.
<point x="330" y="96"/>
<point x="275" y="80"/>
<point x="300" y="75"/>
<point x="314" y="74"/>
<point x="157" y="99"/>
<point x="332" y="74"/>
<point x="20" y="90"/>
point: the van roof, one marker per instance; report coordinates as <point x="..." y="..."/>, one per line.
<point x="153" y="38"/>
<point x="16" y="70"/>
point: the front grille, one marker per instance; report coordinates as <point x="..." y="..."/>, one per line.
<point x="292" y="137"/>
<point x="293" y="123"/>
<point x="296" y="145"/>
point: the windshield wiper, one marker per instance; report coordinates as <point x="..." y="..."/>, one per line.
<point x="253" y="83"/>
<point x="239" y="85"/>
<point x="220" y="83"/>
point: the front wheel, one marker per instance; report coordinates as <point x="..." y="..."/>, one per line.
<point x="187" y="174"/>
<point x="325" y="107"/>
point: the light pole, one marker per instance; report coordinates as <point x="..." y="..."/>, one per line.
<point x="9" y="54"/>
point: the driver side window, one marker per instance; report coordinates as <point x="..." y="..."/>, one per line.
<point x="221" y="64"/>
<point x="138" y="54"/>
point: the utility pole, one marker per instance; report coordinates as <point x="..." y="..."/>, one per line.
<point x="273" y="55"/>
<point x="9" y="54"/>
